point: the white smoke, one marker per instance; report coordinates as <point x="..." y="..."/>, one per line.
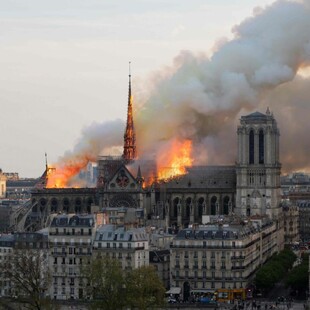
<point x="201" y="98"/>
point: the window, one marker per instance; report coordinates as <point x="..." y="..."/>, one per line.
<point x="261" y="146"/>
<point x="251" y="147"/>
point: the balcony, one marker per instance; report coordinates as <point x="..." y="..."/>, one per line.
<point x="237" y="257"/>
<point x="238" y="268"/>
<point x="59" y="253"/>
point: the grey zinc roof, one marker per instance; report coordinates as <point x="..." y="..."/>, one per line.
<point x="7" y="240"/>
<point x="73" y="220"/>
<point x="110" y="233"/>
<point x="206" y="177"/>
<point x="217" y="232"/>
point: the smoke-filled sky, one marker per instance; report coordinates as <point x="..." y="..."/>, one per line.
<point x="196" y="65"/>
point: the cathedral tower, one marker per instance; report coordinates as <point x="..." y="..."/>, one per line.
<point x="258" y="167"/>
<point x="129" y="152"/>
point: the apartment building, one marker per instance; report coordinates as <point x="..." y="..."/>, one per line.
<point x="291" y="222"/>
<point x="218" y="256"/>
<point x="130" y="246"/>
<point x="6" y="248"/>
<point x="70" y="240"/>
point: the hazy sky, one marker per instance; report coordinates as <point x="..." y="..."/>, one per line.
<point x="64" y="64"/>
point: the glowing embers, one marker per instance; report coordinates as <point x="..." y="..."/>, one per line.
<point x="174" y="159"/>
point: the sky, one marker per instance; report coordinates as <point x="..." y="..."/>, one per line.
<point x="64" y="64"/>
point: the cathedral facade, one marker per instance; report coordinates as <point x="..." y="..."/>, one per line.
<point x="249" y="188"/>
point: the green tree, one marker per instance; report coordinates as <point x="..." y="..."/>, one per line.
<point x="144" y="288"/>
<point x="274" y="270"/>
<point x="27" y="272"/>
<point x="298" y="277"/>
<point x="106" y="284"/>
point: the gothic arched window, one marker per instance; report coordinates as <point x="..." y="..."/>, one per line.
<point x="251" y="147"/>
<point x="213" y="205"/>
<point x="261" y="147"/>
<point x="200" y="207"/>
<point x="175" y="207"/>
<point x="188" y="207"/>
<point x="226" y="205"/>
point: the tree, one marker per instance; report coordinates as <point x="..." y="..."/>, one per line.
<point x="275" y="269"/>
<point x="27" y="272"/>
<point x="106" y="284"/>
<point x="144" y="288"/>
<point x="298" y="278"/>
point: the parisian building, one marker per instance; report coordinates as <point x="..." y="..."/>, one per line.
<point x="129" y="246"/>
<point x="3" y="179"/>
<point x="223" y="255"/>
<point x="70" y="249"/>
<point x="291" y="222"/>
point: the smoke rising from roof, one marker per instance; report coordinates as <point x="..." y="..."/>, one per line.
<point x="201" y="99"/>
<point x="96" y="138"/>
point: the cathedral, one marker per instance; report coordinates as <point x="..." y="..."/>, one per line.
<point x="249" y="188"/>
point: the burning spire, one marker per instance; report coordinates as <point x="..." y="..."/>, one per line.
<point x="42" y="181"/>
<point x="129" y="136"/>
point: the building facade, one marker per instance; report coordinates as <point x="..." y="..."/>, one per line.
<point x="207" y="258"/>
<point x="71" y="246"/>
<point x="129" y="246"/>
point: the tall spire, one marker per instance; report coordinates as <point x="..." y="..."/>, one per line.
<point x="129" y="136"/>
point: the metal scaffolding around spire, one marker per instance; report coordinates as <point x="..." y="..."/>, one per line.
<point x="130" y="135"/>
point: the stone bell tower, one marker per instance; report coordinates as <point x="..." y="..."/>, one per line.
<point x="258" y="167"/>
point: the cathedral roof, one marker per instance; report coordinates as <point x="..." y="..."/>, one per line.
<point x="256" y="115"/>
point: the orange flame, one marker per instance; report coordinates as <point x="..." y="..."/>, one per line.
<point x="173" y="162"/>
<point x="61" y="176"/>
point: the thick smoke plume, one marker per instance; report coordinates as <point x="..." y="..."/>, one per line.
<point x="201" y="99"/>
<point x="96" y="139"/>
